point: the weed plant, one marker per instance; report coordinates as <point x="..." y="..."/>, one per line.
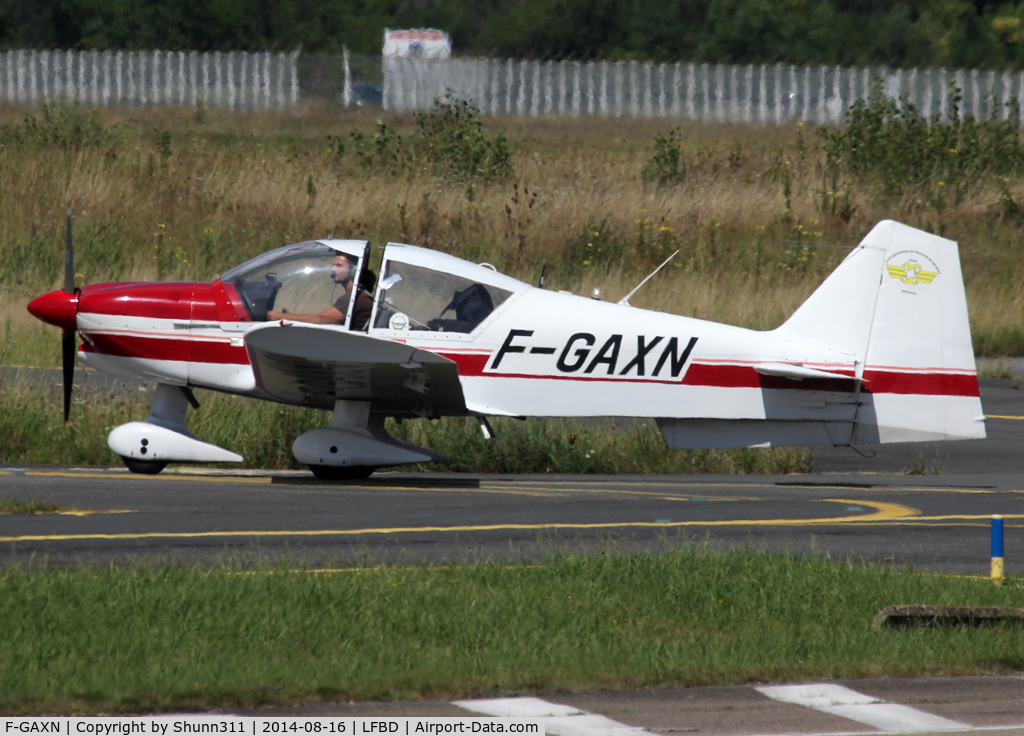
<point x="173" y="638"/>
<point x="666" y="166"/>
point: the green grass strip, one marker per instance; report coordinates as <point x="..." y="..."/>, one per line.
<point x="123" y="639"/>
<point x="16" y="506"/>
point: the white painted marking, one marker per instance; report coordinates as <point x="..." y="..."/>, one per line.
<point x="518" y="708"/>
<point x="847" y="703"/>
<point x="559" y="720"/>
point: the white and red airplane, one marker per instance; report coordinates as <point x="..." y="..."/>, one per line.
<point x="881" y="352"/>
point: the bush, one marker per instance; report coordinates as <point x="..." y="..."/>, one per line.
<point x="60" y="125"/>
<point x="890" y="146"/>
<point x="449" y="142"/>
<point x="452" y="143"/>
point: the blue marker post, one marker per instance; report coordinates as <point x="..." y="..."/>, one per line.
<point x="997" y="549"/>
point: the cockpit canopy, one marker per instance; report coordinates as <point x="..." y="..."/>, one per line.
<point x="296" y="278"/>
<point x="424" y="290"/>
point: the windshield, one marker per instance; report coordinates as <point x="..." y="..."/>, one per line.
<point x="418" y="298"/>
<point x="296" y="279"/>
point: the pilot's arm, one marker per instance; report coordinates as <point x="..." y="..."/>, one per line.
<point x="330" y="316"/>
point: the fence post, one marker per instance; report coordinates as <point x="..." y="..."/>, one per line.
<point x="232" y="92"/>
<point x="535" y="102"/>
<point x="720" y="91"/>
<point x="346" y="90"/>
<point x="748" y="112"/>
<point x="648" y="99"/>
<point x="604" y="89"/>
<point x="509" y="81"/>
<point x="108" y="71"/>
<point x="676" y="83"/>
<point x="44" y="73"/>
<point x="521" y="96"/>
<point x="975" y="96"/>
<point x="181" y="88"/>
<point x="734" y="96"/>
<point x="576" y="88"/>
<point x="213" y="80"/>
<point x="548" y="74"/>
<point x="591" y="87"/>
<point x="167" y="67"/>
<point x="632" y="89"/>
<point x="664" y="106"/>
<point x="263" y="67"/>
<point x="246" y="99"/>
<point x="155" y="67"/>
<point x="94" y="79"/>
<point x="33" y="63"/>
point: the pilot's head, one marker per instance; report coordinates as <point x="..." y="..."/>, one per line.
<point x="341" y="271"/>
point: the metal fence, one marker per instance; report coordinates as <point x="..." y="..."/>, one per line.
<point x="766" y="94"/>
<point x="236" y="80"/>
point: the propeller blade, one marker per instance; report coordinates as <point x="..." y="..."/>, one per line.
<point x="69" y="257"/>
<point x="68" y="349"/>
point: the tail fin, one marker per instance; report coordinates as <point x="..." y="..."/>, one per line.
<point x="897" y="305"/>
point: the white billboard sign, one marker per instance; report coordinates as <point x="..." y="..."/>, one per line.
<point x="423" y="43"/>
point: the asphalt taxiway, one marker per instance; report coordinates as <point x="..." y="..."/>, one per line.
<point x="929" y="522"/>
<point x="863" y="506"/>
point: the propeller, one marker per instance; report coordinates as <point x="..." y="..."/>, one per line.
<point x="68" y="346"/>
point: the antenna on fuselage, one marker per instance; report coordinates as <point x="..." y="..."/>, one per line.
<point x="625" y="299"/>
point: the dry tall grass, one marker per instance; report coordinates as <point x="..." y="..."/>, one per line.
<point x="170" y="195"/>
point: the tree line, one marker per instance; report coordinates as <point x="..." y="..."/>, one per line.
<point x="928" y="33"/>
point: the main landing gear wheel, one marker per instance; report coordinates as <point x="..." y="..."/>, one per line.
<point x="334" y="472"/>
<point x="145" y="467"/>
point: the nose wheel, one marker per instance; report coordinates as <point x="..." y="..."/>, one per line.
<point x="333" y="472"/>
<point x="143" y="467"/>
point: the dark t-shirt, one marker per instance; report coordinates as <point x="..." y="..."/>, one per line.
<point x="361" y="310"/>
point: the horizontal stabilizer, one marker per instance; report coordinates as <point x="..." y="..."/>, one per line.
<point x="797" y="372"/>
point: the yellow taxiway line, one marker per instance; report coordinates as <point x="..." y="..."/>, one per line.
<point x="884" y="512"/>
<point x="540" y="488"/>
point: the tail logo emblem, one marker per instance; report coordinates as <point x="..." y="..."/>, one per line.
<point x="915" y="268"/>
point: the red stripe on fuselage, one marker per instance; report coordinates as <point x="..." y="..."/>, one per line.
<point x="156" y="348"/>
<point x="744" y="376"/>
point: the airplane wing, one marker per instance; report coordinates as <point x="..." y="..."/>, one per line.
<point x="314" y="365"/>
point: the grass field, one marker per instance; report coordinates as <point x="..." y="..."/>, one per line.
<point x="175" y="194"/>
<point x="186" y="194"/>
<point x="182" y="638"/>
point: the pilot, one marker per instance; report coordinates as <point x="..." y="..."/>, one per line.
<point x="341" y="274"/>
